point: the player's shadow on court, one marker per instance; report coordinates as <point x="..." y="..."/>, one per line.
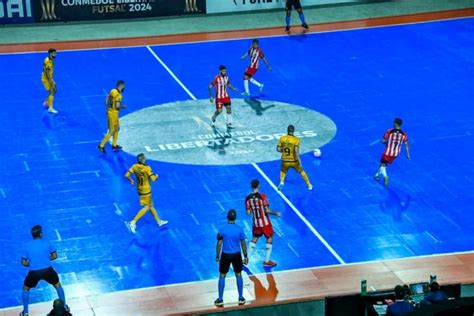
<point x="256" y="105"/>
<point x="220" y="141"/>
<point x="395" y="204"/>
<point x="264" y="294"/>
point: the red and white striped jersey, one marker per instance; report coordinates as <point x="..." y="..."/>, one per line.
<point x="221" y="82"/>
<point x="257" y="203"/>
<point x="394" y="139"/>
<point x="255" y="55"/>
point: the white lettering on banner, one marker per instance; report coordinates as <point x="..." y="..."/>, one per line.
<point x="86" y="2"/>
<point x="20" y="7"/>
<point x="217" y="6"/>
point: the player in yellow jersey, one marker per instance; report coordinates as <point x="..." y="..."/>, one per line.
<point x="48" y="81"/>
<point x="143" y="174"/>
<point x="113" y="104"/>
<point x="289" y="145"/>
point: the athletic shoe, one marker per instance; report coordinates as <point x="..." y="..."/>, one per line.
<point x="242" y="300"/>
<point x="219" y="302"/>
<point x="261" y="88"/>
<point x="304" y="25"/>
<point x="269" y="264"/>
<point x="376" y="177"/>
<point x="133" y="227"/>
<point x="310" y="187"/>
<point x="117" y="147"/>
<point x="230" y="126"/>
<point x="385" y="181"/>
<point x="245" y="94"/>
<point x="52" y="111"/>
<point x="24" y="314"/>
<point x="162" y="223"/>
<point x="101" y="149"/>
<point x="287" y="28"/>
<point x="213" y="123"/>
<point x="280" y="186"/>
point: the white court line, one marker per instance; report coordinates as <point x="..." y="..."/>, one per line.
<point x="26" y="165"/>
<point x="118" y="211"/>
<point x="58" y="235"/>
<point x="293" y="249"/>
<point x="234" y="38"/>
<point x="3" y="193"/>
<point x="195" y="219"/>
<point x="263" y="174"/>
<point x="87" y="142"/>
<point x="298" y="213"/>
<point x="85" y="172"/>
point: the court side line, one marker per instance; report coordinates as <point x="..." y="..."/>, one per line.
<point x="263" y="174"/>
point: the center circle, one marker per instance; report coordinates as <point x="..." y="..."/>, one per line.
<point x="180" y="132"/>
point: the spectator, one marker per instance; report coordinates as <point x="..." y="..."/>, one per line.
<point x="434" y="295"/>
<point x="400" y="307"/>
<point x="37" y="256"/>
<point x="59" y="309"/>
<point x="230" y="239"/>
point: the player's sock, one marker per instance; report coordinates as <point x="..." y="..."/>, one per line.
<point x="49" y="101"/>
<point x="61" y="294"/>
<point x="288" y="20"/>
<point x="155" y="215"/>
<point x="305" y="178"/>
<point x="115" y="139"/>
<point x="251" y="247"/>
<point x="105" y="140"/>
<point x="229" y="118"/>
<point x="301" y="15"/>
<point x="240" y="285"/>
<point x="246" y="86"/>
<point x="221" y="287"/>
<point x="25" y="296"/>
<point x="268" y="252"/>
<point x="383" y="171"/>
<point x="377" y="174"/>
<point x="282" y="176"/>
<point x="255" y="82"/>
<point x="140" y="214"/>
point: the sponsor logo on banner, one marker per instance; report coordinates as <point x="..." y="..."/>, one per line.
<point x="75" y="10"/>
<point x="16" y="11"/>
<point x="217" y="6"/>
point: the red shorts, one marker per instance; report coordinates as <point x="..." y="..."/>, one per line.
<point x="267" y="231"/>
<point x="220" y="103"/>
<point x="387" y="159"/>
<point x="250" y="71"/>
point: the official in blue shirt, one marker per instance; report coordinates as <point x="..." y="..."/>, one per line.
<point x="400" y="307"/>
<point x="37" y="256"/>
<point x="434" y="295"/>
<point x="230" y="241"/>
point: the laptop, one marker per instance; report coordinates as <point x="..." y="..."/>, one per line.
<point x="418" y="291"/>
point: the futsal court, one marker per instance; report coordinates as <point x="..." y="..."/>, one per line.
<point x="344" y="86"/>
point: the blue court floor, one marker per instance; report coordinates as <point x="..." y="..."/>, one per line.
<point x="53" y="174"/>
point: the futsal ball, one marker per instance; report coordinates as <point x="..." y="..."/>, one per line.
<point x="317" y="153"/>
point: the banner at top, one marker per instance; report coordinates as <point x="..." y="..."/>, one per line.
<point x="78" y="10"/>
<point x="16" y="11"/>
<point x="219" y="6"/>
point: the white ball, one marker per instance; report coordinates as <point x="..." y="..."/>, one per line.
<point x="317" y="153"/>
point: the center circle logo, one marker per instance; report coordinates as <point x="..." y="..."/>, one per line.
<point x="180" y="132"/>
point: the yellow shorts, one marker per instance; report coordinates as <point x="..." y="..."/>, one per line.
<point x="285" y="165"/>
<point x="146" y="200"/>
<point x="113" y="121"/>
<point x="47" y="85"/>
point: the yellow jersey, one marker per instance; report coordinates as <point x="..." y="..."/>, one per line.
<point x="113" y="98"/>
<point x="48" y="69"/>
<point x="143" y="174"/>
<point x="288" y="145"/>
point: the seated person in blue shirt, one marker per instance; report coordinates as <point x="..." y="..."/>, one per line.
<point x="400" y="307"/>
<point x="434" y="295"/>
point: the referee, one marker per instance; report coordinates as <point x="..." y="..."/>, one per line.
<point x="230" y="239"/>
<point x="37" y="256"/>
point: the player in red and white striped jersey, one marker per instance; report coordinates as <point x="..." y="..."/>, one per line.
<point x="393" y="139"/>
<point x="221" y="82"/>
<point x="255" y="54"/>
<point x="256" y="203"/>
